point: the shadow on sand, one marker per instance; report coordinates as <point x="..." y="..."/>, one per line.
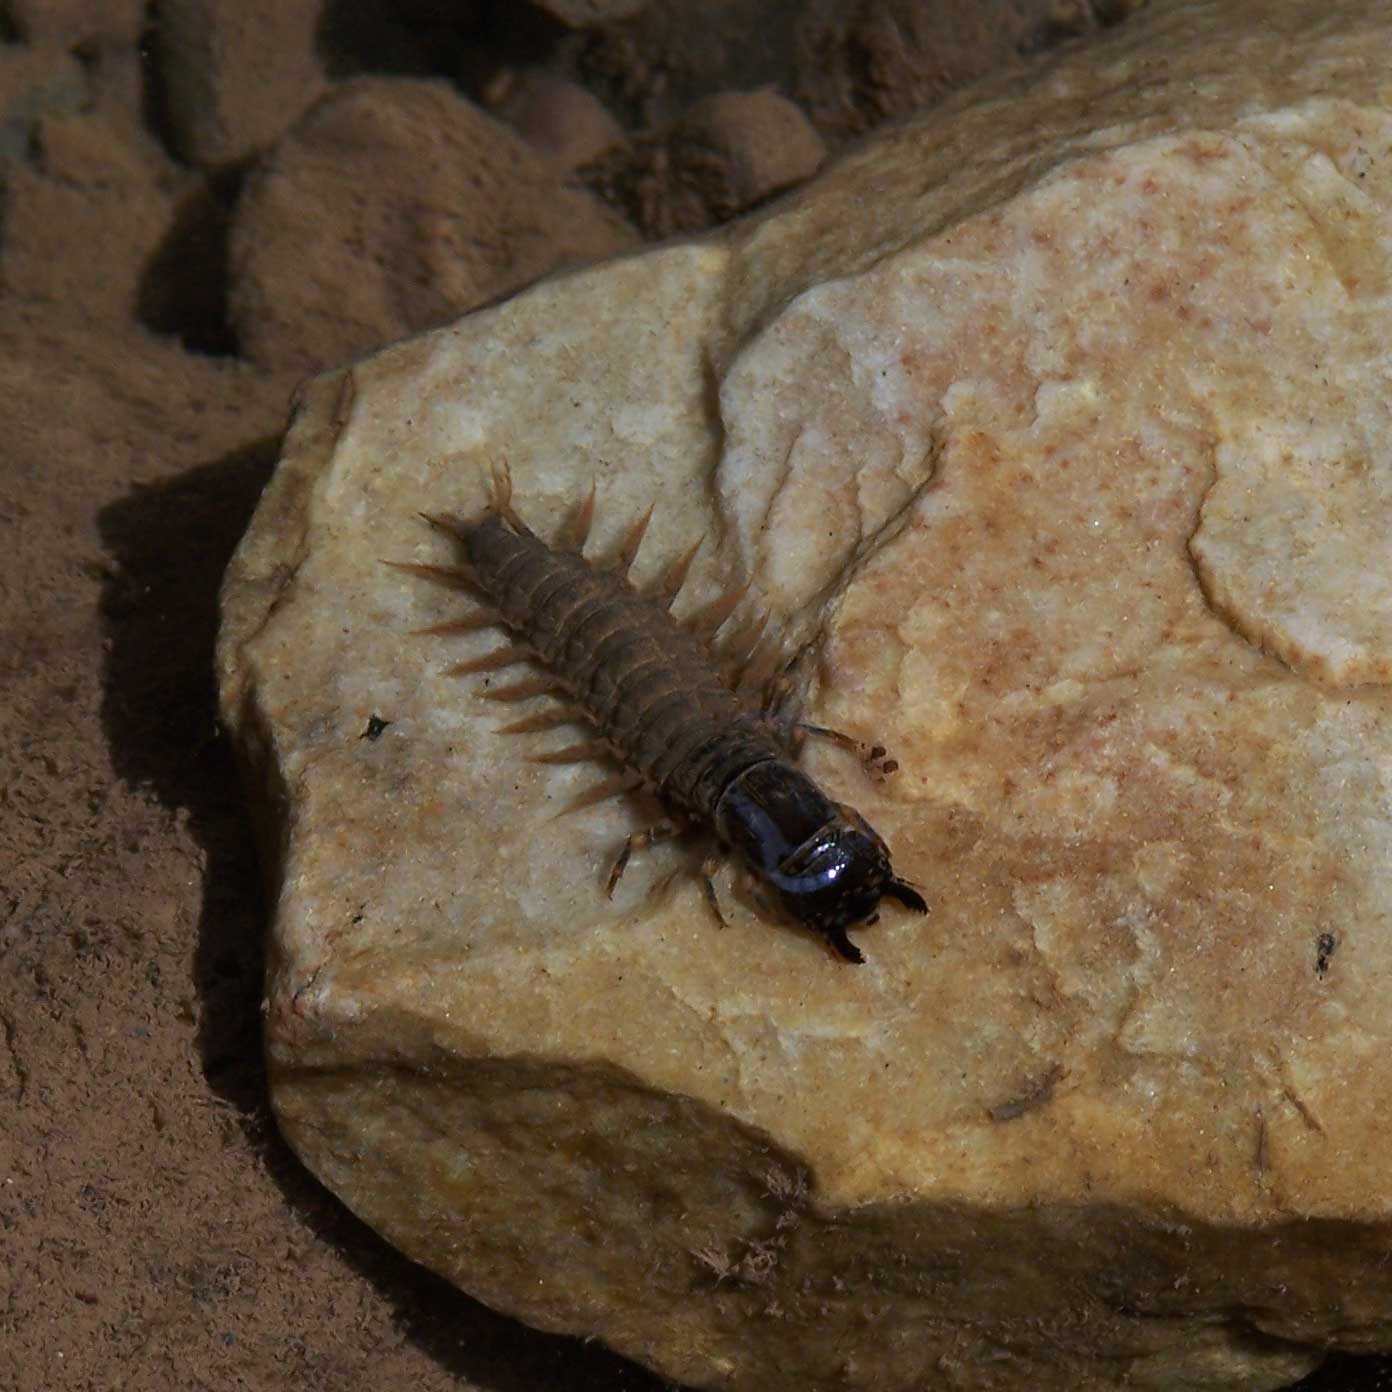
<point x="171" y="543"/>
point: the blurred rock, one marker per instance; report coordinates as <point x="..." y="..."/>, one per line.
<point x="651" y="68"/>
<point x="864" y="63"/>
<point x="727" y="153"/>
<point x="76" y="23"/>
<point x="411" y="38"/>
<point x="560" y="119"/>
<point x="588" y="14"/>
<point x="1067" y="19"/>
<point x="1054" y="427"/>
<point x="35" y="82"/>
<point x="735" y="149"/>
<point x="234" y="74"/>
<point x="85" y="217"/>
<point x="847" y="63"/>
<point x="395" y="205"/>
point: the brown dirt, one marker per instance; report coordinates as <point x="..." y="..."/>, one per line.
<point x="157" y="1234"/>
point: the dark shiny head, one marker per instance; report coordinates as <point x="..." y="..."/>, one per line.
<point x="836" y="879"/>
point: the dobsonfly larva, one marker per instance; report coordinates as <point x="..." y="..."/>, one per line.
<point x="660" y="703"/>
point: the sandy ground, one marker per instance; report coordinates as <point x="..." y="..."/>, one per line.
<point x="157" y="1234"/>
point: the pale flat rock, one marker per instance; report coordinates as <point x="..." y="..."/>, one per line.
<point x="1057" y="422"/>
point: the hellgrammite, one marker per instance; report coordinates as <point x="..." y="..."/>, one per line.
<point x="690" y="727"/>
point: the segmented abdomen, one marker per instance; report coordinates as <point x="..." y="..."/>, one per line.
<point x="649" y="686"/>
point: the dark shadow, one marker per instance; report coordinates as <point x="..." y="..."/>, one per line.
<point x="1344" y="1372"/>
<point x="472" y="45"/>
<point x="183" y="291"/>
<point x="405" y="38"/>
<point x="171" y="543"/>
<point x="154" y="108"/>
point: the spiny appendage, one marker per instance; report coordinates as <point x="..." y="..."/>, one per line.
<point x="542" y="685"/>
<point x="628" y="548"/>
<point x="706" y="623"/>
<point x="739" y="651"/>
<point x="617" y="785"/>
<point x="509" y="656"/>
<point x="580" y="753"/>
<point x="500" y="479"/>
<point x="543" y="720"/>
<point x="453" y="577"/>
<point x="670" y="583"/>
<point x="576" y="531"/>
<point x="457" y="627"/>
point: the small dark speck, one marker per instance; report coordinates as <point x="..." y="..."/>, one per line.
<point x="1324" y="951"/>
<point x="375" y="726"/>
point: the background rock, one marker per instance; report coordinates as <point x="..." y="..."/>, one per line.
<point x="438" y="209"/>
<point x="730" y="152"/>
<point x="582" y="14"/>
<point x="1013" y="419"/>
<point x="84" y="220"/>
<point x="75" y="23"/>
<point x="560" y="119"/>
<point x="735" y="149"/>
<point x="207" y="49"/>
<point x="34" y="83"/>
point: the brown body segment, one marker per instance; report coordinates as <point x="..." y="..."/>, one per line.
<point x="648" y="686"/>
<point x="660" y="702"/>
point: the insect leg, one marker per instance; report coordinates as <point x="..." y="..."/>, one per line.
<point x="782" y="708"/>
<point x="707" y="873"/>
<point x="873" y="757"/>
<point x="500" y="477"/>
<point x="780" y="700"/>
<point x="641" y="841"/>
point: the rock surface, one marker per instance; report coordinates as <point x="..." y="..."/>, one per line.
<point x="393" y="206"/>
<point x="734" y="149"/>
<point x="205" y="49"/>
<point x="1055" y="425"/>
<point x="560" y="119"/>
<point x="727" y="153"/>
<point x="85" y="219"/>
